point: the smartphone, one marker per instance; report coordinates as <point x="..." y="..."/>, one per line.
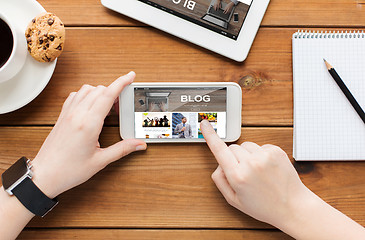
<point x="235" y="17"/>
<point x="172" y="112"/>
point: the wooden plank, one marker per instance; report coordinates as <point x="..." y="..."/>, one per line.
<point x="309" y="13"/>
<point x="327" y="13"/>
<point x="73" y="13"/>
<point x="174" y="189"/>
<point x="155" y="234"/>
<point x="99" y="55"/>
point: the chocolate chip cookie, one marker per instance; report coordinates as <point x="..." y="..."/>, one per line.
<point x="45" y="37"/>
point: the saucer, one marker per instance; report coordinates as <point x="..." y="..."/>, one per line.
<point x="34" y="76"/>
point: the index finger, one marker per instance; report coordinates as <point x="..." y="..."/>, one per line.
<point x="221" y="152"/>
<point x="116" y="87"/>
<point x="103" y="105"/>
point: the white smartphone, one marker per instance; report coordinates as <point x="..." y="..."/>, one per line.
<point x="172" y="112"/>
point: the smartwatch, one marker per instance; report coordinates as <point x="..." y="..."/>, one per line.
<point x="17" y="181"/>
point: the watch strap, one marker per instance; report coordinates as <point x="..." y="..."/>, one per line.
<point x="33" y="198"/>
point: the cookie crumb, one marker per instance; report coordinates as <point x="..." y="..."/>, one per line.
<point x="50" y="21"/>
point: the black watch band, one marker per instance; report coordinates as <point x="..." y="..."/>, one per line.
<point x="33" y="198"/>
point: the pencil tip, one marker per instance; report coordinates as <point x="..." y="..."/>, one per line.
<point x="327" y="64"/>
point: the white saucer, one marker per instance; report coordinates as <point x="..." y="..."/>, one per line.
<point x="34" y="76"/>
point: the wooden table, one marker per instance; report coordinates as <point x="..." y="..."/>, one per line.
<point x="165" y="196"/>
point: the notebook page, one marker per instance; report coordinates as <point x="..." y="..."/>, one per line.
<point x="326" y="126"/>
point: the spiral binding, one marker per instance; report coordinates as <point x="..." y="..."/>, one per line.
<point x="301" y="34"/>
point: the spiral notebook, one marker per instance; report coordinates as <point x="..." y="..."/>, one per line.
<point x="326" y="126"/>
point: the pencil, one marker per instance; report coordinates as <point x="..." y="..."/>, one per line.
<point x="345" y="90"/>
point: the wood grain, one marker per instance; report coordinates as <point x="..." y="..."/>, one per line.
<point x="174" y="189"/>
<point x="100" y="55"/>
<point x="326" y="13"/>
<point x="156" y="234"/>
<point x="155" y="192"/>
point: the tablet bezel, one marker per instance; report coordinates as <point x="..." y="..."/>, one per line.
<point x="234" y="49"/>
<point x="233" y="111"/>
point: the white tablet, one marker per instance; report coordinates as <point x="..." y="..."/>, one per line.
<point x="172" y="112"/>
<point x="227" y="27"/>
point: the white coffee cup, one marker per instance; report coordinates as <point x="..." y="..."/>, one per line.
<point x="19" y="53"/>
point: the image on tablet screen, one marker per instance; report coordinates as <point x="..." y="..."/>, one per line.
<point x="177" y="112"/>
<point x="224" y="17"/>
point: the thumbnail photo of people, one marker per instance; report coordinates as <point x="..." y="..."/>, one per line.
<point x="153" y="125"/>
<point x="184" y="125"/>
<point x="155" y="120"/>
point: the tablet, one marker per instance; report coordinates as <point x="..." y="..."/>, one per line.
<point x="227" y="27"/>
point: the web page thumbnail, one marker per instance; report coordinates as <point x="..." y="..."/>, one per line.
<point x="216" y="119"/>
<point x="184" y="125"/>
<point x="153" y="125"/>
<point x="178" y="112"/>
<point x="225" y="17"/>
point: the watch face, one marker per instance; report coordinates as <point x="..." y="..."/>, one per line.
<point x="16" y="171"/>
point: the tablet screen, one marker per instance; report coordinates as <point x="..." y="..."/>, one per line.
<point x="177" y="112"/>
<point x="224" y="17"/>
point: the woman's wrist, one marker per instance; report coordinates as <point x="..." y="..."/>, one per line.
<point x="312" y="218"/>
<point x="299" y="211"/>
<point x="43" y="180"/>
<point x="309" y="217"/>
<point x="11" y="206"/>
<point x="13" y="215"/>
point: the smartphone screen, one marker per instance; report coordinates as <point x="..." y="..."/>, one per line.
<point x="235" y="17"/>
<point x="177" y="112"/>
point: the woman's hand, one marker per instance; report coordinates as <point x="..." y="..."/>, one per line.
<point x="228" y="8"/>
<point x="217" y="5"/>
<point x="71" y="154"/>
<point x="259" y="181"/>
